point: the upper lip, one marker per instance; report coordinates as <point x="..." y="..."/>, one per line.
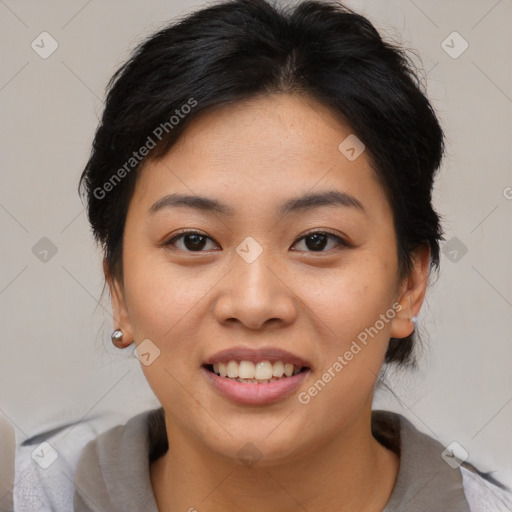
<point x="271" y="354"/>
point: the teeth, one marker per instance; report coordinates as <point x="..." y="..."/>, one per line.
<point x="246" y="369"/>
<point x="233" y="370"/>
<point x="278" y="369"/>
<point x="261" y="372"/>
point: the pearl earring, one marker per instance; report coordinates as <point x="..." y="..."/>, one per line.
<point x="117" y="337"/>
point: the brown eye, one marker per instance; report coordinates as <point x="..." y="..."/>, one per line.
<point x="192" y="241"/>
<point x="317" y="241"/>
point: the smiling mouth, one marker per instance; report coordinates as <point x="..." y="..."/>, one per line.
<point x="249" y="372"/>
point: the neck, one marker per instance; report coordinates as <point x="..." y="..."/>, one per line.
<point x="333" y="476"/>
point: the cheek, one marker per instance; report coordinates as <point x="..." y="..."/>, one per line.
<point x="158" y="298"/>
<point x="162" y="306"/>
<point x="352" y="341"/>
<point x="346" y="301"/>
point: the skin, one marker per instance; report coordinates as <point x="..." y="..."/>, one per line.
<point x="253" y="156"/>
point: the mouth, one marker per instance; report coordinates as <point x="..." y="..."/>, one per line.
<point x="257" y="377"/>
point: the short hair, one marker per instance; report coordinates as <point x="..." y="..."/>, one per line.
<point x="241" y="49"/>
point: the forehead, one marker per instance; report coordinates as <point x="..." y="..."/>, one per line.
<point x="259" y="149"/>
<point x="275" y="129"/>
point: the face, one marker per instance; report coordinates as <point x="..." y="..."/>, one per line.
<point x="261" y="279"/>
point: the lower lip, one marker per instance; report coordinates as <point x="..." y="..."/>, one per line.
<point x="255" y="393"/>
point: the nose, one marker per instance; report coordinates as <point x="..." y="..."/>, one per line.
<point x="255" y="294"/>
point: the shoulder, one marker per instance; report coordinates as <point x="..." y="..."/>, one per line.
<point x="427" y="480"/>
<point x="113" y="469"/>
<point x="45" y="465"/>
<point x="483" y="494"/>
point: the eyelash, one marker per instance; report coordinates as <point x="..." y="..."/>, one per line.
<point x="331" y="236"/>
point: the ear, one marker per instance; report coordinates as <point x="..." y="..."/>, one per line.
<point x="412" y="293"/>
<point x="119" y="310"/>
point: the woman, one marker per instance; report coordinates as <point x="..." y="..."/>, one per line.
<point x="260" y="183"/>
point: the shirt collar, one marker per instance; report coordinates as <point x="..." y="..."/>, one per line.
<point x="113" y="472"/>
<point x="425" y="482"/>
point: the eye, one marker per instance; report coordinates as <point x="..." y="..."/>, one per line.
<point x="193" y="241"/>
<point x="316" y="241"/>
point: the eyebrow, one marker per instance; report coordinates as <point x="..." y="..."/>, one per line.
<point x="302" y="203"/>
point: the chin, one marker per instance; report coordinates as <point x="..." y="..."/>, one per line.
<point x="264" y="448"/>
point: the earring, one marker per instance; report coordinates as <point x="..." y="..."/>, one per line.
<point x="117" y="337"/>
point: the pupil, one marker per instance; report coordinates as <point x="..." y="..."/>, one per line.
<point x="318" y="241"/>
<point x="197" y="241"/>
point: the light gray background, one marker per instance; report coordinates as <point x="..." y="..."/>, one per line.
<point x="56" y="361"/>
